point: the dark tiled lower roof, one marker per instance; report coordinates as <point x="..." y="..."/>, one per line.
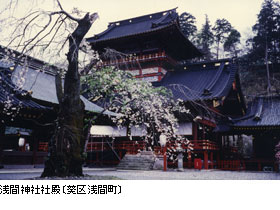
<point x="13" y="96"/>
<point x="39" y="81"/>
<point x="262" y="111"/>
<point x="201" y="82"/>
<point x="43" y="88"/>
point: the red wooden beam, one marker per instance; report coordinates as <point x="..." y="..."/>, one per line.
<point x="165" y="159"/>
<point x="207" y="122"/>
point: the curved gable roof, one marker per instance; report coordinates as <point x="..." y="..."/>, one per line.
<point x="162" y="29"/>
<point x="202" y="82"/>
<point x="262" y="111"/>
<point x="135" y="26"/>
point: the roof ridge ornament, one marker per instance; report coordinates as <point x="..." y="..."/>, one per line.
<point x="142" y="16"/>
<point x="161" y="20"/>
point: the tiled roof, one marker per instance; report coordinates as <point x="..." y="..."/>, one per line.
<point x="39" y="82"/>
<point x="262" y="111"/>
<point x="138" y="25"/>
<point x="42" y="85"/>
<point x="200" y="82"/>
<point x="9" y="93"/>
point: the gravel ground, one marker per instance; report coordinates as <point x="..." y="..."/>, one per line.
<point x="111" y="173"/>
<point x="188" y="174"/>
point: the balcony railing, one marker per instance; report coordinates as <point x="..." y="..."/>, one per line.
<point x="204" y="145"/>
<point x="131" y="147"/>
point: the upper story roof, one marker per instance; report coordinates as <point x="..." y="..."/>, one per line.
<point x="137" y="25"/>
<point x="204" y="81"/>
<point x="146" y="29"/>
<point x="262" y="112"/>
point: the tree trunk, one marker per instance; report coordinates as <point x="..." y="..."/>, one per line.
<point x="267" y="69"/>
<point x="67" y="143"/>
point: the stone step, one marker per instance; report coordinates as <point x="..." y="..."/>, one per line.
<point x="143" y="161"/>
<point x="133" y="163"/>
<point x="135" y="167"/>
<point x="139" y="160"/>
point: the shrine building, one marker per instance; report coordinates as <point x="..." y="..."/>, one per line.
<point x="153" y="48"/>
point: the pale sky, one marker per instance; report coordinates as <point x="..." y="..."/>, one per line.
<point x="242" y="14"/>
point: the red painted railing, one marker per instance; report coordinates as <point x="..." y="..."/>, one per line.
<point x="194" y="144"/>
<point x="131" y="147"/>
<point x="230" y="149"/>
<point x="43" y="146"/>
<point x="260" y="164"/>
<point x="253" y="165"/>
<point x="139" y="58"/>
<point x="204" y="145"/>
<point x="232" y="165"/>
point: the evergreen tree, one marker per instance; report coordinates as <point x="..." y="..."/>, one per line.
<point x="265" y="44"/>
<point x="232" y="41"/>
<point x="187" y="24"/>
<point x="221" y="29"/>
<point x="205" y="39"/>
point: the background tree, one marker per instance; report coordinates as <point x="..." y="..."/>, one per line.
<point x="187" y="24"/>
<point x="265" y="44"/>
<point x="231" y="42"/>
<point x="221" y="29"/>
<point x="262" y="57"/>
<point x="40" y="32"/>
<point x="205" y="39"/>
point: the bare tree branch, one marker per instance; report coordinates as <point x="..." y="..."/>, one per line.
<point x="51" y="40"/>
<point x="66" y="14"/>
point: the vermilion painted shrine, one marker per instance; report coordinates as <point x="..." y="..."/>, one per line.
<point x="157" y="51"/>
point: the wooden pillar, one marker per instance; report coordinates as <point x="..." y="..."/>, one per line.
<point x="165" y="159"/>
<point x="189" y="159"/>
<point x="259" y="165"/>
<point x="211" y="159"/>
<point x="218" y="160"/>
<point x="203" y="132"/>
<point x="206" y="160"/>
<point x="159" y="73"/>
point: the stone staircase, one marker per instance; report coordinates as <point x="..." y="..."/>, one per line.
<point x="143" y="161"/>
